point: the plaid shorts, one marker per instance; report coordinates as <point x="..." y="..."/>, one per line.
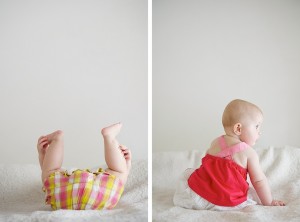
<point x="83" y="190"/>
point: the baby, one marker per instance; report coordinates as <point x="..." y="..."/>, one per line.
<point x="220" y="182"/>
<point x="83" y="189"/>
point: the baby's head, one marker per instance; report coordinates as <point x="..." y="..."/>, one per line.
<point x="242" y="119"/>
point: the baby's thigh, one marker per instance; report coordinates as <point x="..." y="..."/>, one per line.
<point x="47" y="173"/>
<point x="122" y="176"/>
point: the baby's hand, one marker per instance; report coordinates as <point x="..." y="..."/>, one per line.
<point x="126" y="152"/>
<point x="277" y="203"/>
<point x="127" y="155"/>
<point x="42" y="144"/>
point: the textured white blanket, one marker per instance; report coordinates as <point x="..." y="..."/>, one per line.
<point x="22" y="198"/>
<point x="281" y="165"/>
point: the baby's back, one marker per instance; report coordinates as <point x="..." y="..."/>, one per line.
<point x="239" y="157"/>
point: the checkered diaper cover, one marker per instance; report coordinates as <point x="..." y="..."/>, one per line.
<point x="83" y="190"/>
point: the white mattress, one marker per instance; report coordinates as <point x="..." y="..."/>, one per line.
<point x="281" y="166"/>
<point x="22" y="198"/>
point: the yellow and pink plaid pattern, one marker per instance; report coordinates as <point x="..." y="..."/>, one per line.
<point x="83" y="190"/>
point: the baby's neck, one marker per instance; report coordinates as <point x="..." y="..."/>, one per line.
<point x="232" y="138"/>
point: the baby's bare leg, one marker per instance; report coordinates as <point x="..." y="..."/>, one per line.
<point x="113" y="154"/>
<point x="54" y="155"/>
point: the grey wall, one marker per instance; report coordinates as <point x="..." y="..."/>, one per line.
<point x="206" y="53"/>
<point x="76" y="66"/>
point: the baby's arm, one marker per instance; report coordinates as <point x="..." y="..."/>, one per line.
<point x="259" y="181"/>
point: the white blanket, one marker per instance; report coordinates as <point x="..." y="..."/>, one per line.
<point x="281" y="166"/>
<point x="22" y="198"/>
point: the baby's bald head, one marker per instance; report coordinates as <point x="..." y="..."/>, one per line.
<point x="239" y="111"/>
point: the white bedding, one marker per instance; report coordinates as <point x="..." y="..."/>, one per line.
<point x="22" y="198"/>
<point x="281" y="165"/>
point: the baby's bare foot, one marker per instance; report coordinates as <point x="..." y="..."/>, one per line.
<point x="111" y="131"/>
<point x="44" y="141"/>
<point x="54" y="135"/>
<point x="43" y="144"/>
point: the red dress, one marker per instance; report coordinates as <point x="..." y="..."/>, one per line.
<point x="219" y="179"/>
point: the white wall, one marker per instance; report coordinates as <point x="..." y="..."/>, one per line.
<point x="206" y="53"/>
<point x="76" y="66"/>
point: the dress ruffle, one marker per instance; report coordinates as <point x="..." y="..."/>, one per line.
<point x="82" y="190"/>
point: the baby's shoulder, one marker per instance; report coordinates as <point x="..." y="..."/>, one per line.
<point x="215" y="142"/>
<point x="214" y="147"/>
<point x="248" y="152"/>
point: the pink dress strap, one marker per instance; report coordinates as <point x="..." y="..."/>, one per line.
<point x="227" y="152"/>
<point x="222" y="143"/>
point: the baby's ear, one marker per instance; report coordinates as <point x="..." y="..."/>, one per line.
<point x="237" y="129"/>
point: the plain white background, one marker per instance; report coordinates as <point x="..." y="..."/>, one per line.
<point x="206" y="53"/>
<point x="76" y="66"/>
